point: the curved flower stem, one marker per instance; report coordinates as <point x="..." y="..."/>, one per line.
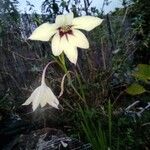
<point x="62" y="84"/>
<point x="62" y="60"/>
<point x="44" y="71"/>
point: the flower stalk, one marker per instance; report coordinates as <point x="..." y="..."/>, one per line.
<point x="81" y="96"/>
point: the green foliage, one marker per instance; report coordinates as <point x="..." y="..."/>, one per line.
<point x="134" y="134"/>
<point x="135" y="89"/>
<point x="106" y="130"/>
<point x="93" y="129"/>
<point x="129" y="134"/>
<point x="142" y="72"/>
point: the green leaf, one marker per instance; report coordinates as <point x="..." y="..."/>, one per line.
<point x="135" y="89"/>
<point x="143" y="72"/>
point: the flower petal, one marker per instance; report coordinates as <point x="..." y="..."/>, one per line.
<point x="53" y="104"/>
<point x="36" y="96"/>
<point x="56" y="48"/>
<point x="86" y="22"/>
<point x="28" y="101"/>
<point x="62" y="20"/>
<point x="72" y="53"/>
<point x="43" y="101"/>
<point x="49" y="97"/>
<point x="59" y="44"/>
<point x="78" y="39"/>
<point x="32" y="97"/>
<point x="69" y="50"/>
<point x="69" y="18"/>
<point x="62" y="44"/>
<point x="35" y="104"/>
<point x="44" y="32"/>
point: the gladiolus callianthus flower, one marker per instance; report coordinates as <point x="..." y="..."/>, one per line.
<point x="42" y="95"/>
<point x="65" y="34"/>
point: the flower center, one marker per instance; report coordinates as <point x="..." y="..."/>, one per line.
<point x="65" y="30"/>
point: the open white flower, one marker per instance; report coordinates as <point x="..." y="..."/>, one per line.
<point x="42" y="95"/>
<point x="65" y="36"/>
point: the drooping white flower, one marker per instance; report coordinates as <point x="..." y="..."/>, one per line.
<point x="65" y="36"/>
<point x="42" y="95"/>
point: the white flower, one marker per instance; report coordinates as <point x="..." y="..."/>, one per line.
<point x="65" y="36"/>
<point x="42" y="95"/>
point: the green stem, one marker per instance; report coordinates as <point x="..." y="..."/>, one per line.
<point x="62" y="62"/>
<point x="80" y="84"/>
<point x="63" y="66"/>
